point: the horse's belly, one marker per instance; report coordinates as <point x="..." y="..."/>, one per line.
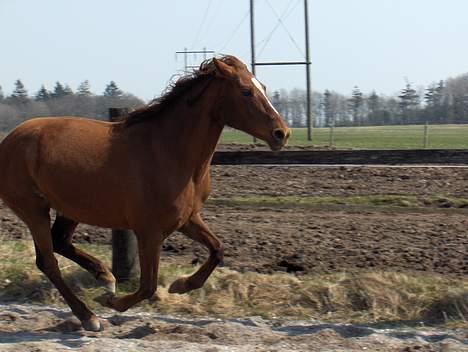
<point x="88" y="201"/>
<point x="92" y="213"/>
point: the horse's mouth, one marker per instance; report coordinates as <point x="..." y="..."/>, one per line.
<point x="276" y="147"/>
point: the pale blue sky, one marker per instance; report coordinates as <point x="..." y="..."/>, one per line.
<point x="374" y="44"/>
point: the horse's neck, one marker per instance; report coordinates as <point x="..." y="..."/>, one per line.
<point x="189" y="133"/>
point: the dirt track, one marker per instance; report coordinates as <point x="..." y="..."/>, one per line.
<point x="305" y="240"/>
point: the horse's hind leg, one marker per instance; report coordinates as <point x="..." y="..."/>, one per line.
<point x="37" y="219"/>
<point x="62" y="232"/>
<point x="197" y="230"/>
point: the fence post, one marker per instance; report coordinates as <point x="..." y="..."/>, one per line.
<point x="124" y="244"/>
<point x="426" y="135"/>
<point x="331" y="137"/>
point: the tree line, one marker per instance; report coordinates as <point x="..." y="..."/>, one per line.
<point x="61" y="100"/>
<point x="440" y="103"/>
<point x="443" y="102"/>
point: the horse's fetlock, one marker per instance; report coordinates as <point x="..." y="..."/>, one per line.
<point x="148" y="293"/>
<point x="218" y="253"/>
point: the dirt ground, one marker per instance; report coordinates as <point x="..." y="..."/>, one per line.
<point x="328" y="239"/>
<point x="295" y="239"/>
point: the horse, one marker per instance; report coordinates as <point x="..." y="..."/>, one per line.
<point x="149" y="172"/>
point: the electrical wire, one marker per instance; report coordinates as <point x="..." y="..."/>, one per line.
<point x="284" y="16"/>
<point x="235" y="31"/>
<point x="280" y="21"/>
<point x="205" y="15"/>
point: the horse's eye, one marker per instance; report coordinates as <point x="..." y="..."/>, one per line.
<point x="247" y="92"/>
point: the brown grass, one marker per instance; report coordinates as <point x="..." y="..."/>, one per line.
<point x="346" y="297"/>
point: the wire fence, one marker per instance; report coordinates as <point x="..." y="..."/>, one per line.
<point x="372" y="137"/>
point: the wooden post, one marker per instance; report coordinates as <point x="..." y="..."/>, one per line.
<point x="426" y="135"/>
<point x="331" y="140"/>
<point x="124" y="244"/>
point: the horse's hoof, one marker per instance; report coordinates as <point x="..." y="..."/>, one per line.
<point x="109" y="287"/>
<point x="108" y="282"/>
<point x="92" y="324"/>
<point x="179" y="286"/>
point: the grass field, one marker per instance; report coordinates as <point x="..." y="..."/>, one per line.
<point x="376" y="137"/>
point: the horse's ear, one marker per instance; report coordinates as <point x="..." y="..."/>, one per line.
<point x="224" y="70"/>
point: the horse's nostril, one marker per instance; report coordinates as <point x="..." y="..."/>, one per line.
<point x="279" y="134"/>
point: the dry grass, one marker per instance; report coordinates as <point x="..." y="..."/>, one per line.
<point x="346" y="297"/>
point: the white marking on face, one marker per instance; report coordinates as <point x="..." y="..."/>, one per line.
<point x="260" y="88"/>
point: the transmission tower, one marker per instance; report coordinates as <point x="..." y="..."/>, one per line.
<point x="306" y="63"/>
<point x="186" y="53"/>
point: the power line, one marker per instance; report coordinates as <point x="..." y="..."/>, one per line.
<point x="213" y="16"/>
<point x="186" y="52"/>
<point x="267" y="39"/>
<point x="285" y="28"/>
<point x="284" y="16"/>
<point x="205" y="15"/>
<point x="235" y="31"/>
<point x="306" y="63"/>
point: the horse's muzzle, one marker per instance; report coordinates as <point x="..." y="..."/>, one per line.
<point x="280" y="138"/>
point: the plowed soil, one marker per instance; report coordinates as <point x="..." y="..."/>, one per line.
<point x="322" y="239"/>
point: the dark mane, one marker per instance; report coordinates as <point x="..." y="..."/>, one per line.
<point x="174" y="91"/>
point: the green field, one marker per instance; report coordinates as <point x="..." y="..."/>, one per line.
<point x="376" y="137"/>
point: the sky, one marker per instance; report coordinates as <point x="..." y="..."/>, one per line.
<point x="366" y="43"/>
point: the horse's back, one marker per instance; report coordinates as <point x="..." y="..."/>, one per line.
<point x="66" y="161"/>
<point x="41" y="140"/>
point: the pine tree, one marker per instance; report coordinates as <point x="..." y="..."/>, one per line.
<point x="84" y="89"/>
<point x="59" y="90"/>
<point x="434" y="99"/>
<point x="355" y="104"/>
<point x="67" y="90"/>
<point x="439" y="94"/>
<point x="374" y="105"/>
<point x="20" y="94"/>
<point x="42" y="94"/>
<point x="112" y="90"/>
<point x="2" y="97"/>
<point x="328" y="108"/>
<point x="409" y="101"/>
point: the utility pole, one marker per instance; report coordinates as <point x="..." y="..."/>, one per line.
<point x="186" y="52"/>
<point x="307" y="62"/>
<point x="252" y="42"/>
<point x="252" y="36"/>
<point x="309" y="103"/>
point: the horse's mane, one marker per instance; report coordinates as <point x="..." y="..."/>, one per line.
<point x="175" y="90"/>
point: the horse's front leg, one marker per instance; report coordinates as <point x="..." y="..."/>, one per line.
<point x="197" y="230"/>
<point x="149" y="250"/>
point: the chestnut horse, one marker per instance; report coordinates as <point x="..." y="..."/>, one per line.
<point x="149" y="173"/>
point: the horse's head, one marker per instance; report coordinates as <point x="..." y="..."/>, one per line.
<point x="245" y="104"/>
